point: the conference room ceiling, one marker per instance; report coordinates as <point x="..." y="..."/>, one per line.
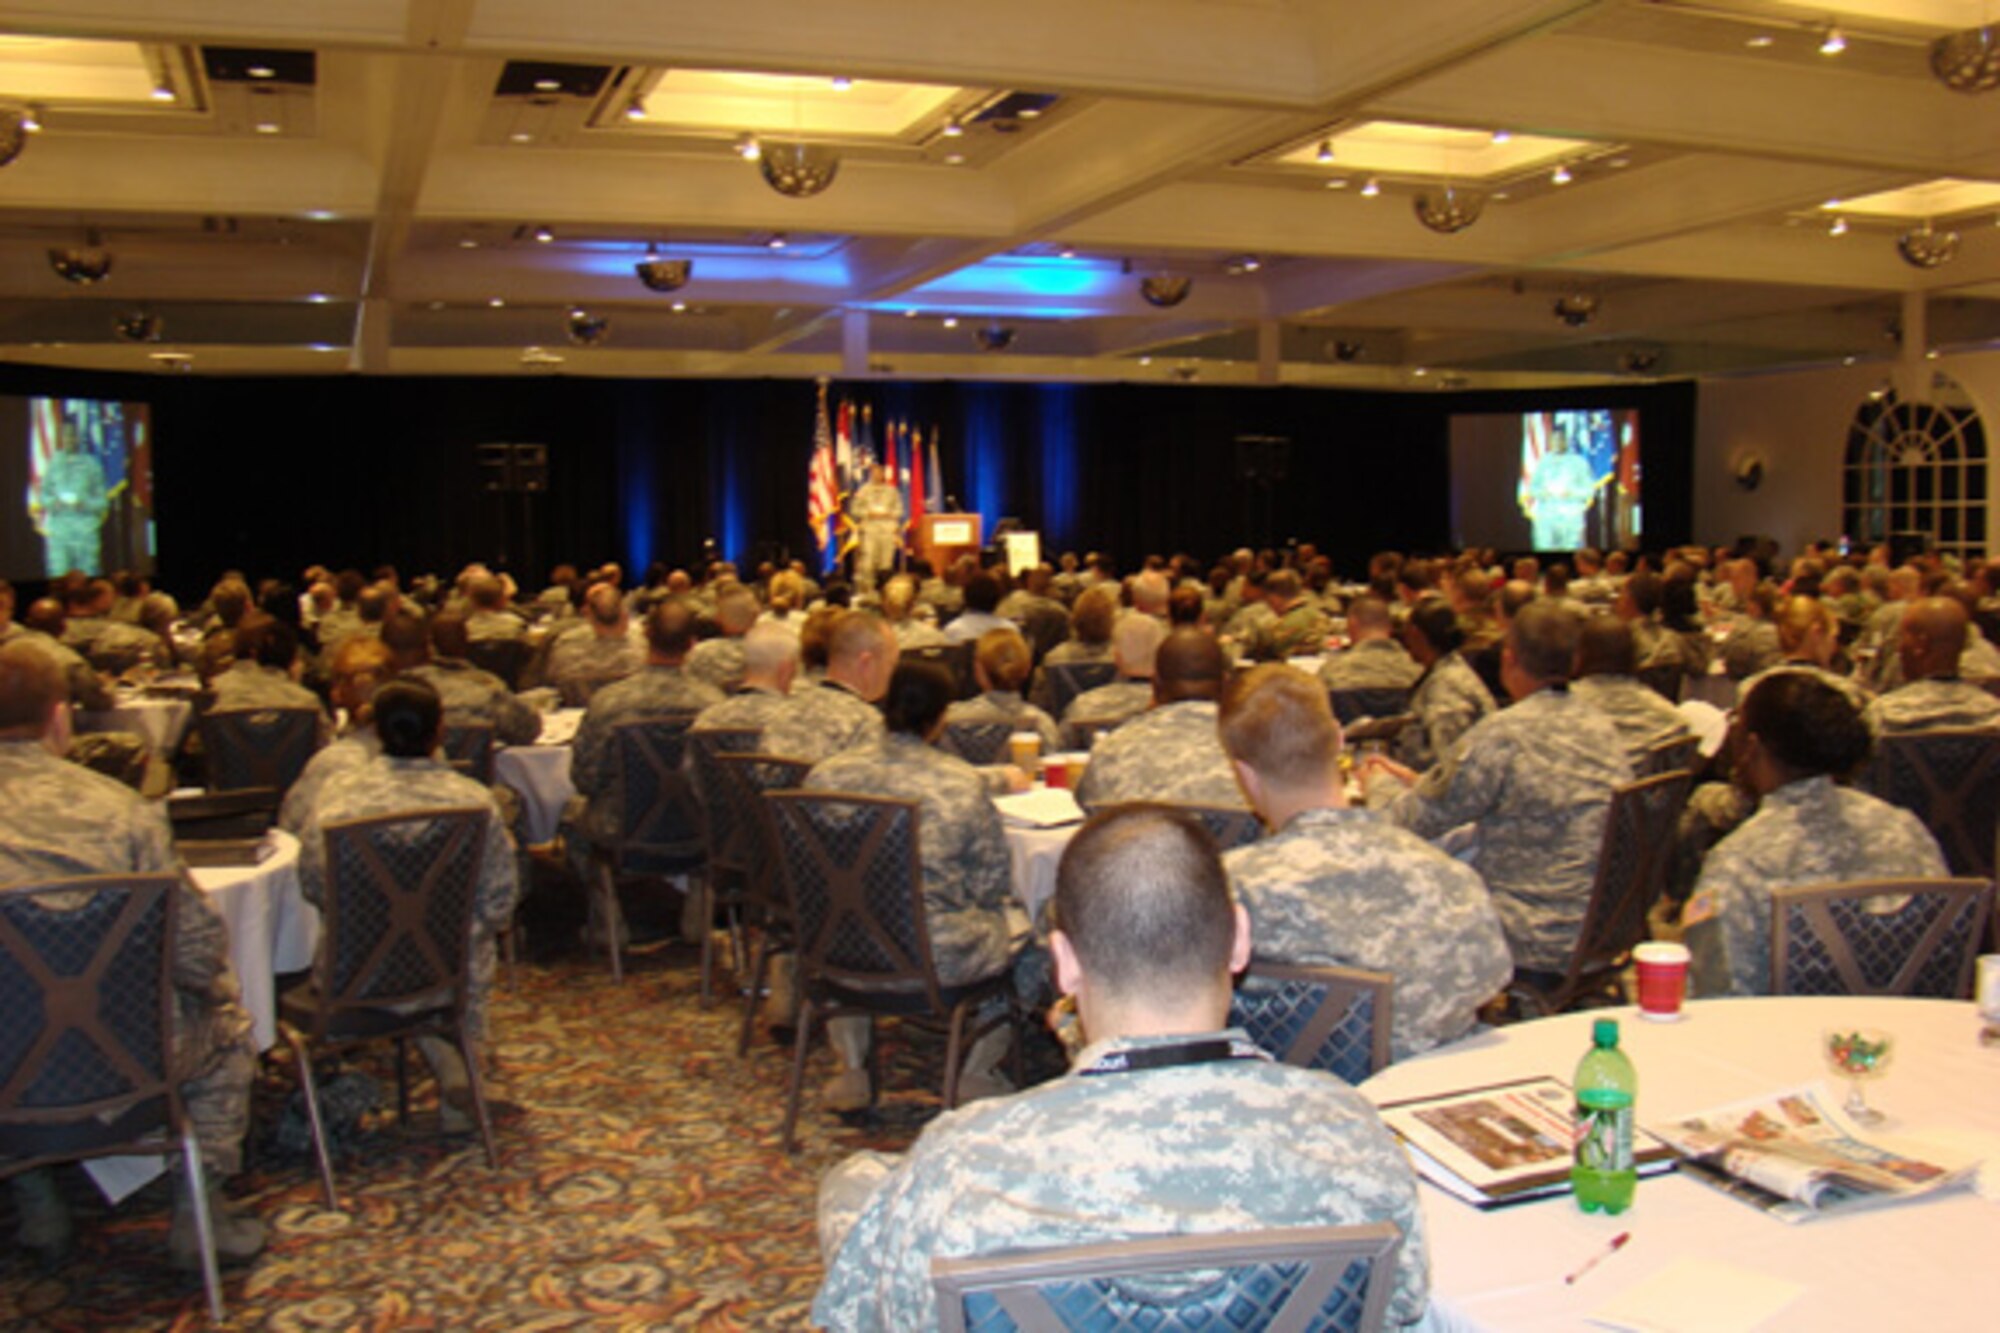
<point x="434" y="186"/>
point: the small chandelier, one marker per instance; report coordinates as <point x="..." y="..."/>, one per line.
<point x="1925" y="248"/>
<point x="138" y="326"/>
<point x="663" y="275"/>
<point x="1449" y="209"/>
<point x="1576" y="308"/>
<point x="796" y="169"/>
<point x="81" y="264"/>
<point x="995" y="337"/>
<point x="1968" y="61"/>
<point x="1165" y="289"/>
<point x="14" y="131"/>
<point x="586" y="329"/>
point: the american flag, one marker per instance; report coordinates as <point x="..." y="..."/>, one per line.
<point x="822" y="490"/>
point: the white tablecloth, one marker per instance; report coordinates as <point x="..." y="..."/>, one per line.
<point x="1928" y="1264"/>
<point x="163" y="722"/>
<point x="272" y="928"/>
<point x="541" y="774"/>
<point x="1035" y="853"/>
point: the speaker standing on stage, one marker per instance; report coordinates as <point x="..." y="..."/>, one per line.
<point x="877" y="511"/>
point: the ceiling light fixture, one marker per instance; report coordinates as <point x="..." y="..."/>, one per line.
<point x="748" y="148"/>
<point x="950" y="321"/>
<point x="497" y="303"/>
<point x="798" y="170"/>
<point x="520" y="136"/>
<point x="635" y="109"/>
<point x="586" y="329"/>
<point x="548" y="85"/>
<point x="1503" y="136"/>
<point x="1449" y="209"/>
<point x="1371" y="189"/>
<point x="163" y="92"/>
<point x="1968" y="61"/>
<point x="13" y="133"/>
<point x="1576" y="308"/>
<point x="679" y="306"/>
<point x="1834" y="42"/>
<point x="1760" y="41"/>
<point x="467" y="243"/>
<point x="82" y="264"/>
<point x="954" y="159"/>
<point x="663" y="275"/>
<point x="1165" y="290"/>
<point x="261" y="72"/>
<point x="1560" y="176"/>
<point x="1337" y="183"/>
<point x="1924" y="247"/>
<point x="1325" y="153"/>
<point x="993" y="337"/>
<point x="953" y="128"/>
<point x="1242" y="264"/>
<point x="138" y="326"/>
<point x="31" y="119"/>
<point x="1839" y="227"/>
<point x="543" y="235"/>
<point x="777" y="241"/>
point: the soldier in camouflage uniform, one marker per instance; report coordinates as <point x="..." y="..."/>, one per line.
<point x="261" y="676"/>
<point x="68" y="506"/>
<point x="1375" y="661"/>
<point x="1604" y="679"/>
<point x="660" y="688"/>
<point x="594" y="653"/>
<point x="1135" y="641"/>
<point x="1537" y="780"/>
<point x="1090" y="622"/>
<point x="86" y="688"/>
<point x="1796" y="733"/>
<point x="360" y="667"/>
<point x="899" y="597"/>
<point x="877" y="511"/>
<point x="1171" y="752"/>
<point x="435" y="654"/>
<point x="1297" y="624"/>
<point x="720" y="661"/>
<point x="1932" y="640"/>
<point x="58" y="820"/>
<point x="976" y="926"/>
<point x="405" y="777"/>
<point x="1000" y="665"/>
<point x="1341" y="886"/>
<point x="1449" y="698"/>
<point x="488" y="618"/>
<point x="770" y="663"/>
<point x="1166" y="1124"/>
<point x="839" y="712"/>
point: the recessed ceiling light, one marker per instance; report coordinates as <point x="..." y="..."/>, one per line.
<point x="1499" y="196"/>
<point x="1371" y="189"/>
<point x="1834" y="42"/>
<point x="1847" y="361"/>
<point x="162" y="93"/>
<point x="680" y="306"/>
<point x="1831" y="203"/>
<point x="1145" y="360"/>
<point x="953" y="128"/>
<point x="841" y="83"/>
<point x="951" y="321"/>
<point x="496" y="303"/>
<point x="748" y="148"/>
<point x="1325" y="153"/>
<point x="1420" y="371"/>
<point x="261" y="72"/>
<point x="911" y="313"/>
<point x="777" y="241"/>
<point x="1760" y="41"/>
<point x="521" y="136"/>
<point x="1337" y="183"/>
<point x="1931" y="355"/>
<point x="1839" y="227"/>
<point x="1502" y="136"/>
<point x="467" y="243"/>
<point x="635" y="110"/>
<point x="1560" y="176"/>
<point x="1067" y="252"/>
<point x="548" y="85"/>
<point x="318" y="298"/>
<point x="543" y="235"/>
<point x="267" y="127"/>
<point x="1029" y="113"/>
<point x="954" y="159"/>
<point x="31" y="120"/>
<point x="319" y="215"/>
<point x="1619" y="163"/>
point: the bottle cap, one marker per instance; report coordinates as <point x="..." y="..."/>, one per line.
<point x="1604" y="1032"/>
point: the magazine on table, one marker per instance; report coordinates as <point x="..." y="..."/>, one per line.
<point x="1503" y="1143"/>
<point x="1794" y="1156"/>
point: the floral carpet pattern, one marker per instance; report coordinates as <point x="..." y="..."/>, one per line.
<point x="642" y="1184"/>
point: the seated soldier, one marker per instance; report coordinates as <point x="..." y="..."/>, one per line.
<point x="1166" y="1125"/>
<point x="1340" y="885"/>
<point x="1169" y="753"/>
<point x="1930" y="642"/>
<point x="1605" y="661"/>
<point x="1000" y="665"/>
<point x="59" y="821"/>
<point x="1135" y="640"/>
<point x="1795" y="736"/>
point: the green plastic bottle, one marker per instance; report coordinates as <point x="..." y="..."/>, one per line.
<point x="1607" y="1086"/>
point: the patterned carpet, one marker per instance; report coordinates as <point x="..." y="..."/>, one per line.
<point x="641" y="1185"/>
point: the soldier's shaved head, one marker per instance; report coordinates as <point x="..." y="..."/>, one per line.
<point x="1933" y="638"/>
<point x="31" y="685"/>
<point x="1189" y="665"/>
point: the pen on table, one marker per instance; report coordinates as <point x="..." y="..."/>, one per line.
<point x="1617" y="1244"/>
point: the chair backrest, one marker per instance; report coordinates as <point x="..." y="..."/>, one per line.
<point x="1069" y="679"/>
<point x="977" y="742"/>
<point x="660" y="826"/>
<point x="1353" y="705"/>
<point x="258" y="747"/>
<point x="1668" y="755"/>
<point x="505" y="658"/>
<point x="743" y="780"/>
<point x="1230" y="826"/>
<point x="468" y="748"/>
<point x="1632" y="863"/>
<point x="86" y="982"/>
<point x="1292" y="1278"/>
<point x="1881" y="937"/>
<point x="1950" y="779"/>
<point x="1334" y="1019"/>
<point x="397" y="912"/>
<point x="1663" y="679"/>
<point x="953" y="657"/>
<point x="726" y="832"/>
<point x="852" y="869"/>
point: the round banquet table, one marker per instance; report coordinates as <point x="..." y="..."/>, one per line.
<point x="1034" y="854"/>
<point x="163" y="722"/>
<point x="1925" y="1264"/>
<point x="540" y="773"/>
<point x="272" y="928"/>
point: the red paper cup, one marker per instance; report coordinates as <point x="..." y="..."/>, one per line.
<point x="1055" y="771"/>
<point x="1663" y="969"/>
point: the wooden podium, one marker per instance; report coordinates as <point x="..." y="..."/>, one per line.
<point x="942" y="538"/>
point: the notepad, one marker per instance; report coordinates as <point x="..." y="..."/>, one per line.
<point x="1697" y="1296"/>
<point x="1045" y="807"/>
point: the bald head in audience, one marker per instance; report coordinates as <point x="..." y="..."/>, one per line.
<point x="34" y="694"/>
<point x="861" y="653"/>
<point x="770" y="658"/>
<point x="1933" y="638"/>
<point x="1134" y="642"/>
<point x="1188" y="665"/>
<point x="604" y="609"/>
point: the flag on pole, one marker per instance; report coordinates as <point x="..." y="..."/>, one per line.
<point x="934" y="498"/>
<point x="822" y="488"/>
<point x="843" y="450"/>
<point x="916" y="504"/>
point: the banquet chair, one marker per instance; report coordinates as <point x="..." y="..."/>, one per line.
<point x="468" y="748"/>
<point x="1334" y="1019"/>
<point x="1230" y="826"/>
<point x="1353" y="705"/>
<point x="261" y="747"/>
<point x="745" y="779"/>
<point x="1950" y="779"/>
<point x="660" y="832"/>
<point x="953" y="657"/>
<point x="395" y="954"/>
<point x="1881" y="937"/>
<point x="1281" y="1278"/>
<point x="977" y="742"/>
<point x="87" y="1051"/>
<point x="852" y="870"/>
<point x="724" y="836"/>
<point x="1668" y="755"/>
<point x="1632" y="862"/>
<point x="1069" y="679"/>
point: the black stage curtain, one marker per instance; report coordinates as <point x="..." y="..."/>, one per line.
<point x="271" y="474"/>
